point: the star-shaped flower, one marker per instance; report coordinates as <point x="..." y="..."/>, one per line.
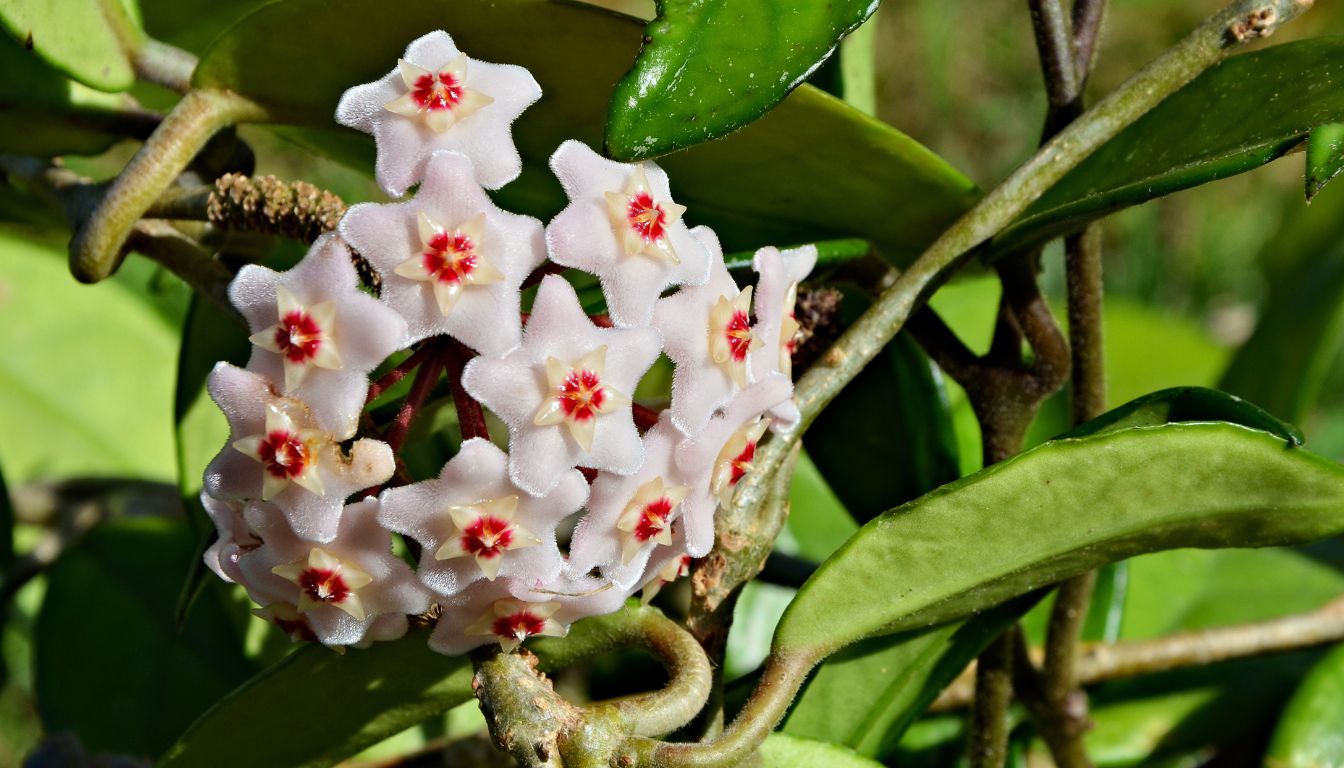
<point x="776" y="293"/>
<point x="277" y="453"/>
<point x="718" y="458"/>
<point x="233" y="540"/>
<point x="554" y="391"/>
<point x="496" y="612"/>
<point x="315" y="334"/>
<point x="451" y="260"/>
<point x="473" y="523"/>
<point x="707" y="332"/>
<point x="437" y="98"/>
<point x="622" y="226"/>
<point x="630" y="517"/>
<point x="345" y="589"/>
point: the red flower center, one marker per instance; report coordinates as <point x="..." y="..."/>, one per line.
<point x="434" y="92"/>
<point x="449" y="257"/>
<point x="487" y="537"/>
<point x="646" y="217"/>
<point x="738" y="332"/>
<point x="283" y="454"/>
<point x="742" y="463"/>
<point x="791" y="345"/>
<point x="521" y="625"/>
<point x="324" y="585"/>
<point x="298" y="336"/>
<point x="653" y="519"/>
<point x="581" y="395"/>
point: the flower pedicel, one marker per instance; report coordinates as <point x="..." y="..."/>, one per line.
<point x="453" y="267"/>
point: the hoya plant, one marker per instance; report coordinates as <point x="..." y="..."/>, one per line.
<point x="604" y="384"/>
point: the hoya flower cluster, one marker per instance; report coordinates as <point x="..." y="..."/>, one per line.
<point x="306" y="507"/>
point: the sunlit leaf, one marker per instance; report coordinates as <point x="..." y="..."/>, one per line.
<point x="710" y="67"/>
<point x="93" y="41"/>
<point x="1310" y="733"/>
<point x="1238" y="115"/>
<point x="1142" y="489"/>
<point x="1325" y="156"/>
<point x="781" y="750"/>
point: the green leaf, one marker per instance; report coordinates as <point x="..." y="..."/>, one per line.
<point x="46" y="113"/>
<point x="1238" y="115"/>
<point x="1325" y="156"/>
<point x="1178" y="404"/>
<point x="781" y="750"/>
<point x="818" y="524"/>
<point x="1310" y="733"/>
<point x="887" y="437"/>
<point x="317" y="707"/>
<point x="1143" y="489"/>
<point x="865" y="696"/>
<point x="93" y="41"/>
<point x="110" y="664"/>
<point x="755" y="187"/>
<point x="87" y="368"/>
<point x="709" y="67"/>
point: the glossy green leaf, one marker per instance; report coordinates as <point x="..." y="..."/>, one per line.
<point x="86" y="367"/>
<point x="1143" y="489"/>
<point x="818" y="524"/>
<point x="46" y="113"/>
<point x="1311" y="731"/>
<point x="781" y="750"/>
<point x="755" y="187"/>
<point x="1178" y="404"/>
<point x="93" y="41"/>
<point x="1325" y="156"/>
<point x="709" y="67"/>
<point x="887" y="437"/>
<point x="110" y="664"/>
<point x="1238" y="115"/>
<point x="865" y="696"/>
<point x="317" y="707"/>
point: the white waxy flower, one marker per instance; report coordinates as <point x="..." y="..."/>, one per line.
<point x="277" y="453"/>
<point x="719" y="457"/>
<point x="344" y="589"/>
<point x="315" y="334"/>
<point x="707" y="332"/>
<point x="438" y="98"/>
<point x="451" y="260"/>
<point x="512" y="621"/>
<point x="629" y="517"/>
<point x="675" y="565"/>
<point x="622" y="226"/>
<point x="497" y="611"/>
<point x="473" y="523"/>
<point x="234" y="537"/>
<point x="564" y="392"/>
<point x="776" y="294"/>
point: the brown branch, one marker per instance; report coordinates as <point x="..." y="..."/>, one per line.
<point x="425" y="379"/>
<point x="988" y="743"/>
<point x="1104" y="662"/>
<point x="470" y="417"/>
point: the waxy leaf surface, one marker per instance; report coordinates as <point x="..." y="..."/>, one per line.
<point x="709" y="67"/>
<point x="756" y="187"/>
<point x="1310" y="733"/>
<point x="92" y="41"/>
<point x="781" y="750"/>
<point x="1325" y="156"/>
<point x="1239" y="115"/>
<point x="1141" y="490"/>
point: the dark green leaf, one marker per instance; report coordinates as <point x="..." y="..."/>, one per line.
<point x="1311" y="731"/>
<point x="1178" y="404"/>
<point x="756" y="187"/>
<point x="710" y="67"/>
<point x="888" y="437"/>
<point x="1143" y="489"/>
<point x="317" y="707"/>
<point x="1325" y="156"/>
<point x="867" y="695"/>
<point x="781" y="750"/>
<point x="110" y="664"/>
<point x="1239" y="115"/>
<point x="93" y="41"/>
